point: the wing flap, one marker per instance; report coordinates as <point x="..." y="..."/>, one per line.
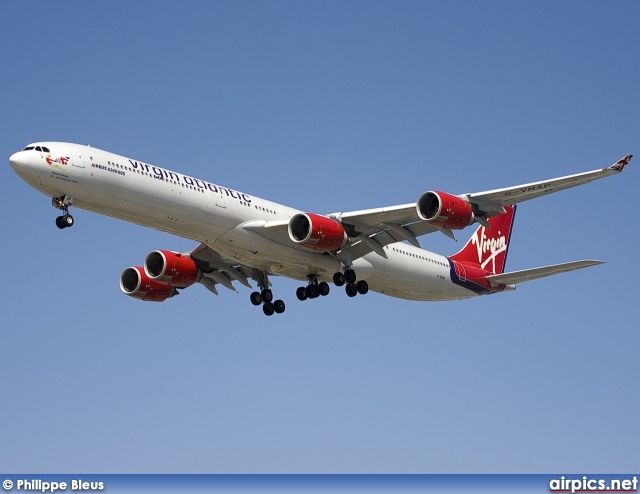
<point x="535" y="273"/>
<point x="218" y="271"/>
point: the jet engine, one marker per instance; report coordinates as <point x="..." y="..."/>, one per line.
<point x="135" y="283"/>
<point x="317" y="232"/>
<point x="171" y="268"/>
<point x="444" y="210"/>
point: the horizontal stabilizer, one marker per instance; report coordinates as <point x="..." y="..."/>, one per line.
<point x="535" y="273"/>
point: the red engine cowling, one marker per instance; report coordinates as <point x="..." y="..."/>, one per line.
<point x="317" y="232"/>
<point x="135" y="283"/>
<point x="171" y="268"/>
<point x="444" y="210"/>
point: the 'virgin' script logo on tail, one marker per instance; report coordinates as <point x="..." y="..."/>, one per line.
<point x="488" y="248"/>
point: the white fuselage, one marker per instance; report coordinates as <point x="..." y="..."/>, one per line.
<point x="171" y="202"/>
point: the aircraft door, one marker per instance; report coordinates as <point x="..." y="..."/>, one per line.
<point x="77" y="156"/>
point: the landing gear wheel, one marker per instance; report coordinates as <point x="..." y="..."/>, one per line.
<point x="362" y="287"/>
<point x="351" y="291"/>
<point x="267" y="295"/>
<point x="268" y="309"/>
<point x="338" y="279"/>
<point x="279" y="306"/>
<point x="312" y="291"/>
<point x="350" y="276"/>
<point x="256" y="298"/>
<point x="63" y="203"/>
<point x="301" y="293"/>
<point x="323" y="288"/>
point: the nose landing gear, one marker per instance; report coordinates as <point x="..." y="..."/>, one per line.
<point x="63" y="203"/>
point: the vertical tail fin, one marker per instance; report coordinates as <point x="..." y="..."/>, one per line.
<point x="487" y="248"/>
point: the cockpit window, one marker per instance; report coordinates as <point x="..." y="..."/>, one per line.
<point x="46" y="150"/>
<point x="28" y="148"/>
<point x="38" y="148"/>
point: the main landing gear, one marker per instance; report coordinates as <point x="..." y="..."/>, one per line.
<point x="63" y="203"/>
<point x="313" y="289"/>
<point x="265" y="297"/>
<point x="352" y="287"/>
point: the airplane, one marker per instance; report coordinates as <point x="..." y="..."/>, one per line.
<point x="242" y="237"/>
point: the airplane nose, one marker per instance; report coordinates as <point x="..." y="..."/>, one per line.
<point x="17" y="160"/>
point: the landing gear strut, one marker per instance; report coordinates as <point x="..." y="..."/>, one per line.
<point x="265" y="297"/>
<point x="349" y="279"/>
<point x="63" y="203"/>
<point x="313" y="289"/>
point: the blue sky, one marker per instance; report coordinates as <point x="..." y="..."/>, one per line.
<point x="324" y="106"/>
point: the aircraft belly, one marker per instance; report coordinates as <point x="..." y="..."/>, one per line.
<point x="414" y="279"/>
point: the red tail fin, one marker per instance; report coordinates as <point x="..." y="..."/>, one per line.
<point x="487" y="248"/>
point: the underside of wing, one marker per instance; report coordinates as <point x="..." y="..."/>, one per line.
<point x="366" y="231"/>
<point x="389" y="234"/>
<point x="491" y="200"/>
<point x="535" y="273"/>
<point x="217" y="271"/>
<point x="273" y="230"/>
<point x="363" y="221"/>
<point x="370" y="230"/>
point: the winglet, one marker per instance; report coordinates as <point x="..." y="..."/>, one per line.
<point x="619" y="166"/>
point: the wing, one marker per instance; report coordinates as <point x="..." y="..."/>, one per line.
<point x="372" y="229"/>
<point x="520" y="193"/>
